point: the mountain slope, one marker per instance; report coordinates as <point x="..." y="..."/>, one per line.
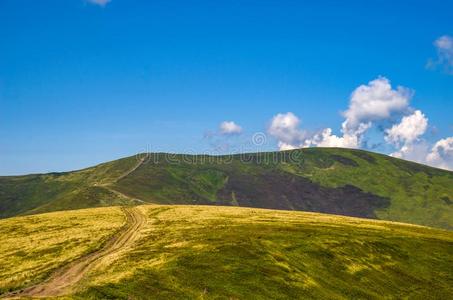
<point x="329" y="180"/>
<point x="208" y="252"/>
<point x="33" y="246"/>
<point x="61" y="191"/>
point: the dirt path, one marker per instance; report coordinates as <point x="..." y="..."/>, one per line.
<point x="118" y="193"/>
<point x="64" y="279"/>
<point x="127" y="173"/>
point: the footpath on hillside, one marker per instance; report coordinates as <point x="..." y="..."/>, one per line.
<point x="64" y="279"/>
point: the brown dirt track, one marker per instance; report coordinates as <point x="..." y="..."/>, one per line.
<point x="63" y="280"/>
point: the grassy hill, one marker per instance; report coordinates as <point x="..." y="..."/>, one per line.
<point x="33" y="246"/>
<point x="209" y="252"/>
<point x="329" y="180"/>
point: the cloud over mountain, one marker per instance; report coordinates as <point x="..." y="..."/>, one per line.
<point x="374" y="103"/>
<point x="441" y="154"/>
<point x="408" y="130"/>
<point x="285" y="128"/>
<point x="229" y="128"/>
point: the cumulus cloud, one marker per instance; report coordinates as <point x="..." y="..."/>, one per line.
<point x="221" y="140"/>
<point x="374" y="104"/>
<point x="408" y="130"/>
<point x="444" y="47"/>
<point x="99" y="2"/>
<point x="285" y="128"/>
<point x="441" y="154"/>
<point x="368" y="103"/>
<point x="230" y="128"/>
<point x="326" y="139"/>
<point x="284" y="146"/>
<point x="374" y="101"/>
<point x="406" y="135"/>
<point x="416" y="152"/>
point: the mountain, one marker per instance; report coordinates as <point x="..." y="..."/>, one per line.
<point x="328" y="180"/>
<point x="218" y="252"/>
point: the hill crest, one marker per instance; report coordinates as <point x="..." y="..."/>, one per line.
<point x="329" y="180"/>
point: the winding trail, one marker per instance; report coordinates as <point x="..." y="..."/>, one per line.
<point x="127" y="173"/>
<point x="109" y="186"/>
<point x="64" y="279"/>
<point x="118" y="193"/>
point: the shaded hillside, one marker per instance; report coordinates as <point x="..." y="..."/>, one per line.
<point x="208" y="252"/>
<point x="329" y="180"/>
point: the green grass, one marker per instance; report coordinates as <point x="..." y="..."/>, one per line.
<point x="329" y="180"/>
<point x="209" y="252"/>
<point x="419" y="194"/>
<point x="416" y="194"/>
<point x="235" y="253"/>
<point x="32" y="246"/>
<point x="60" y="191"/>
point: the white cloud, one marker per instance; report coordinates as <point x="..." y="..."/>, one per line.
<point x="230" y="128"/>
<point x="444" y="47"/>
<point x="99" y="2"/>
<point x="407" y="135"/>
<point x="441" y="154"/>
<point x="414" y="152"/>
<point x="368" y="103"/>
<point x="326" y="139"/>
<point x="283" y="146"/>
<point x="285" y="128"/>
<point x="372" y="102"/>
<point x="408" y="130"/>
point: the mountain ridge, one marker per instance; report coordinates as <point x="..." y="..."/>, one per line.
<point x="329" y="180"/>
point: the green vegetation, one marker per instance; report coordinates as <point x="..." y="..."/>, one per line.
<point x="419" y="194"/>
<point x="33" y="246"/>
<point x="213" y="252"/>
<point x="61" y="191"/>
<point x="329" y="180"/>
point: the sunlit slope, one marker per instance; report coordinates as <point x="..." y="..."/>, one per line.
<point x="329" y="180"/>
<point x="32" y="246"/>
<point x="212" y="252"/>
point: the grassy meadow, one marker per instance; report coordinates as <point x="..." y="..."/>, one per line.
<point x="209" y="252"/>
<point x="32" y="246"/>
<point x="190" y="252"/>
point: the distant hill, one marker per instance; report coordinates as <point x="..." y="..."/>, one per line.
<point x="329" y="180"/>
<point x="208" y="252"/>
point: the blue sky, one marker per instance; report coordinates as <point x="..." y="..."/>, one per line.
<point x="84" y="82"/>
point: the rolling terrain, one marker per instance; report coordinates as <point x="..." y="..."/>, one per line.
<point x="214" y="252"/>
<point x="328" y="180"/>
<point x="34" y="246"/>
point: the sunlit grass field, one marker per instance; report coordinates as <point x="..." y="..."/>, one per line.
<point x="213" y="252"/>
<point x="237" y="253"/>
<point x="32" y="246"/>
